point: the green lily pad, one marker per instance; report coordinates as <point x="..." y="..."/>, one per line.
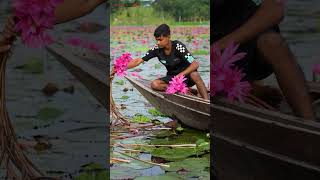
<point x="124" y="173"/>
<point x="120" y="82"/>
<point x="179" y="129"/>
<point x="190" y="168"/>
<point x="47" y="113"/>
<point x="139" y="118"/>
<point x="188" y="136"/>
<point x="163" y="133"/>
<point x="92" y="167"/>
<point x="35" y="66"/>
<point x="163" y="177"/>
<point x="125" y="97"/>
<point x="155" y="112"/>
<point x="173" y="154"/>
<point x="93" y="171"/>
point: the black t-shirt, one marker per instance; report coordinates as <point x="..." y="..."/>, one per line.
<point x="177" y="61"/>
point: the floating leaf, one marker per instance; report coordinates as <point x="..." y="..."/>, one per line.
<point x="49" y="113"/>
<point x="157" y="66"/>
<point x="34" y="65"/>
<point x="173" y="154"/>
<point x="93" y="171"/>
<point x="125" y="97"/>
<point x="120" y="82"/>
<point x="190" y="168"/>
<point x="163" y="177"/>
<point x="139" y="118"/>
<point x="163" y="133"/>
<point x="179" y="129"/>
<point x="92" y="166"/>
<point x="155" y="112"/>
<point x="124" y="173"/>
<point x="188" y="136"/>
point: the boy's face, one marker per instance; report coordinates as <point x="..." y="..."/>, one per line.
<point x="163" y="41"/>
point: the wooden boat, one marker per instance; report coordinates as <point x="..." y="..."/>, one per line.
<point x="247" y="143"/>
<point x="264" y="144"/>
<point x="190" y="110"/>
<point x="90" y="71"/>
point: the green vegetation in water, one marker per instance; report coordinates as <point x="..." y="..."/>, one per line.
<point x="179" y="129"/>
<point x="93" y="171"/>
<point x="161" y="177"/>
<point x="190" y="168"/>
<point x="120" y="82"/>
<point x="157" y="66"/>
<point x="188" y="136"/>
<point x="139" y="118"/>
<point x="34" y="66"/>
<point x="47" y="113"/>
<point x="125" y="97"/>
<point x="200" y="52"/>
<point x="139" y="16"/>
<point x="155" y="112"/>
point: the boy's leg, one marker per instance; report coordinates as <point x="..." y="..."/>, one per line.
<point x="195" y="76"/>
<point x="159" y="85"/>
<point x="275" y="51"/>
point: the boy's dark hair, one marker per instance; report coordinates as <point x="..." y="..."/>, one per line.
<point x="162" y="30"/>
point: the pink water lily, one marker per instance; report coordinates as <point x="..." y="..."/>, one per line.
<point x="74" y="41"/>
<point x="224" y="77"/>
<point x="316" y="69"/>
<point x="135" y="74"/>
<point x="34" y="18"/>
<point x="177" y="85"/>
<point x="121" y="64"/>
<point x="93" y="46"/>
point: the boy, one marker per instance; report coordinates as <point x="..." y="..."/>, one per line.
<point x="255" y="28"/>
<point x="176" y="58"/>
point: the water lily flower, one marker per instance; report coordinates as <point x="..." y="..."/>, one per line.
<point x="121" y="64"/>
<point x="316" y="69"/>
<point x="35" y="17"/>
<point x="224" y="77"/>
<point x="177" y="85"/>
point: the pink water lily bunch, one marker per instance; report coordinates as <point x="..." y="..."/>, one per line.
<point x="225" y="78"/>
<point x="177" y="85"/>
<point x="34" y="17"/>
<point x="121" y="64"/>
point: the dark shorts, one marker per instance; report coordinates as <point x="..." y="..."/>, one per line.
<point x="188" y="81"/>
<point x="230" y="16"/>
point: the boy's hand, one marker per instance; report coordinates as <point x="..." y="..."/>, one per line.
<point x="9" y="29"/>
<point x="112" y="73"/>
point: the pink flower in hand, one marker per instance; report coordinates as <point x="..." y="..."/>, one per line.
<point x="177" y="84"/>
<point x="34" y="18"/>
<point x="121" y="64"/>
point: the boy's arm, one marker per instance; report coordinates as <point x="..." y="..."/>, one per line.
<point x="270" y="13"/>
<point x="192" y="67"/>
<point x="72" y="9"/>
<point x="135" y="62"/>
